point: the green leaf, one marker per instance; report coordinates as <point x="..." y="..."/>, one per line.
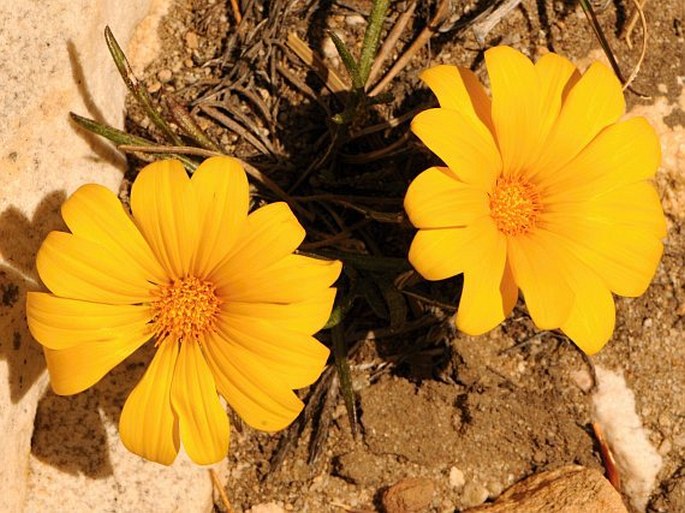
<point x="348" y="60"/>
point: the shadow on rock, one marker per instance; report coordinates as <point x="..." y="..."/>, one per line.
<point x="20" y="239"/>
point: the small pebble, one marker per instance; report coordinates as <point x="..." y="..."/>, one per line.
<point x="474" y="494"/>
<point x="154" y="87"/>
<point x="164" y="75"/>
<point x="192" y="40"/>
<point x="457" y="479"/>
<point x="409" y="495"/>
<point x="354" y="19"/>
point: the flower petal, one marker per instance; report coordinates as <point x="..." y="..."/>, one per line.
<point x="260" y="397"/>
<point x="445" y="252"/>
<point x="617" y="235"/>
<point x="509" y="290"/>
<point x="436" y="199"/>
<point x="465" y="146"/>
<point x="297" y="359"/>
<point x="592" y="317"/>
<point x="482" y="307"/>
<point x="270" y="233"/>
<point x="165" y="208"/>
<point x="459" y="89"/>
<point x="538" y="272"/>
<point x="148" y="426"/>
<point x="80" y="269"/>
<point x="203" y="422"/>
<point x="79" y="367"/>
<point x="59" y="323"/>
<point x="556" y="75"/>
<point x="594" y="102"/>
<point x="292" y="279"/>
<point x="516" y="107"/>
<point x="223" y="197"/>
<point x="94" y="213"/>
<point x="306" y="317"/>
<point x="621" y="154"/>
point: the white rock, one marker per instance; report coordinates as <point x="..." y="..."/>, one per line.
<point x="54" y="61"/>
<point x="638" y="461"/>
<point x="457" y="479"/>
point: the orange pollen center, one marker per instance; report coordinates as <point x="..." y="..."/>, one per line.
<point x="514" y="205"/>
<point x="184" y="309"/>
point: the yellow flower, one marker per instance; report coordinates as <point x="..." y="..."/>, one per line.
<point x="544" y="190"/>
<point x="229" y="306"/>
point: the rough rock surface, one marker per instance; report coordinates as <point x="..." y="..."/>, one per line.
<point x="55" y="61"/>
<point x="569" y="489"/>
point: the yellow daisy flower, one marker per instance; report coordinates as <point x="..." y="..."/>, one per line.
<point x="229" y="306"/>
<point x="544" y="189"/>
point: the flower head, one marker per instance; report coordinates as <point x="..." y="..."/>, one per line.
<point x="228" y="305"/>
<point x="543" y="189"/>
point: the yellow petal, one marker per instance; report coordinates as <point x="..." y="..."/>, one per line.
<point x="165" y="207"/>
<point x="436" y="199"/>
<point x="540" y="275"/>
<point x="556" y="75"/>
<point x="59" y="323"/>
<point x="297" y="359"/>
<point x="261" y="398"/>
<point x="292" y="279"/>
<point x="445" y="252"/>
<point x="223" y="197"/>
<point x="203" y="422"/>
<point x="516" y="107"/>
<point x="270" y="233"/>
<point x="509" y="290"/>
<point x="594" y="102"/>
<point x="592" y="317"/>
<point x="459" y="89"/>
<point x="79" y="367"/>
<point x="621" y="154"/>
<point x="94" y="213"/>
<point x="306" y="317"/>
<point x="621" y="245"/>
<point x="482" y="307"/>
<point x="80" y="269"/>
<point x="465" y="146"/>
<point x="148" y="426"/>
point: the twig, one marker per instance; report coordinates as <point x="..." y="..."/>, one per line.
<point x="483" y="28"/>
<point x="441" y="13"/>
<point x="633" y="20"/>
<point x="390" y="41"/>
<point x="234" y="126"/>
<point x="220" y="490"/>
<point x="236" y="12"/>
<point x="639" y="13"/>
<point x="607" y="456"/>
<point x="328" y="75"/>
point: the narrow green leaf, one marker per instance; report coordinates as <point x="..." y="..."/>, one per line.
<point x="343" y="368"/>
<point x="186" y="123"/>
<point x="136" y="88"/>
<point x="597" y="29"/>
<point x="348" y="61"/>
<point x="372" y="37"/>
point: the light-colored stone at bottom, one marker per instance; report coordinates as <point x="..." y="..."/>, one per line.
<point x="570" y="489"/>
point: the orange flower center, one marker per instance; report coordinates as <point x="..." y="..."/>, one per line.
<point x="514" y="205"/>
<point x="184" y="309"/>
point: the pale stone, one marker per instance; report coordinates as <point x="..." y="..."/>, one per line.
<point x="570" y="489"/>
<point x="269" y="507"/>
<point x="54" y="61"/>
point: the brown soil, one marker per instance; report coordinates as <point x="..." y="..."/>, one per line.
<point x="473" y="415"/>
